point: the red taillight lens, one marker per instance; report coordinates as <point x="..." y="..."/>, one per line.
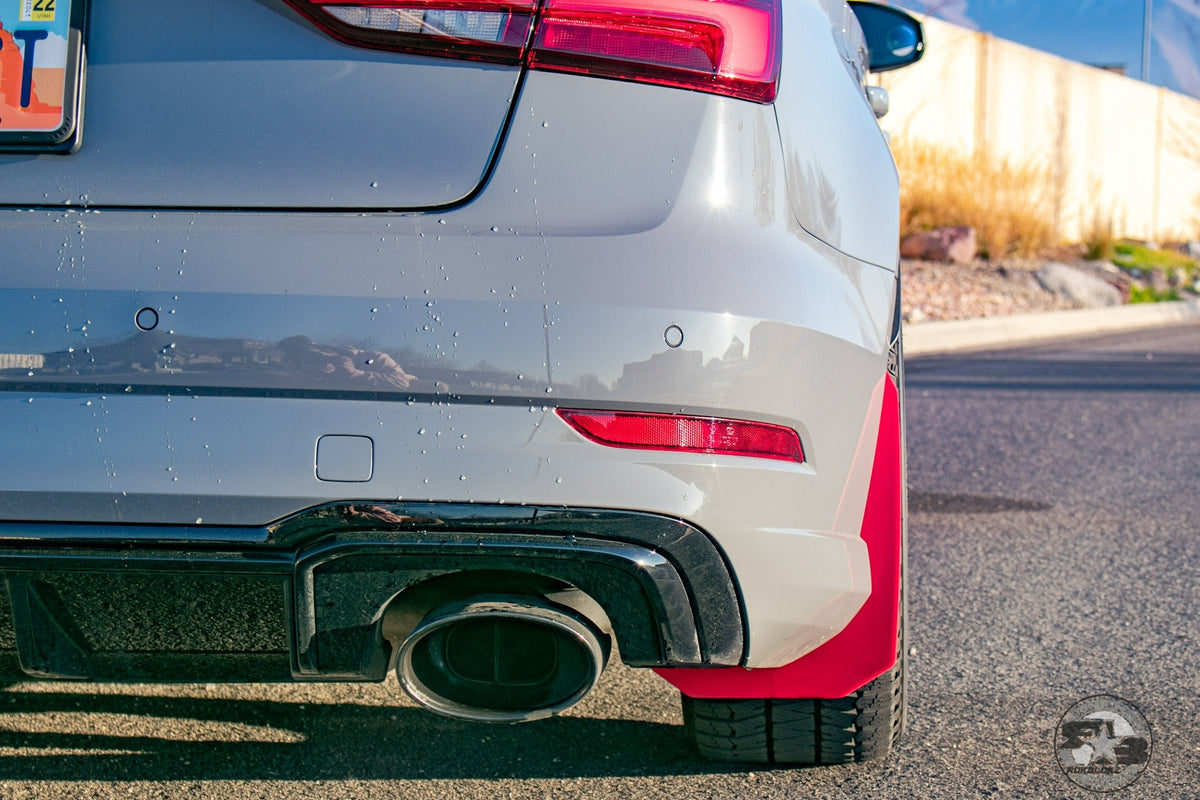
<point x="686" y="433"/>
<point x="728" y="47"/>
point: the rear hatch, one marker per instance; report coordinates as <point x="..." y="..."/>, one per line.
<point x="245" y="104"/>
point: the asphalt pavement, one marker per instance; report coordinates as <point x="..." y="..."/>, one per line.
<point x="1053" y="555"/>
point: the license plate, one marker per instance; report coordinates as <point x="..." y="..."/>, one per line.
<point x="41" y="74"/>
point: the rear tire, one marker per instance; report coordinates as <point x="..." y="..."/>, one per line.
<point x="862" y="727"/>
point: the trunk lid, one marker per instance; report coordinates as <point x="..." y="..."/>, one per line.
<point x="244" y="104"/>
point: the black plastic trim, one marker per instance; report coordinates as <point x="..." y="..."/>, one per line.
<point x="665" y="586"/>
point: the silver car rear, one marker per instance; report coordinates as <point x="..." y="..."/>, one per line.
<point x="370" y="353"/>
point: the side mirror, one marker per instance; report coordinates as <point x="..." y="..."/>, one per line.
<point x="894" y="38"/>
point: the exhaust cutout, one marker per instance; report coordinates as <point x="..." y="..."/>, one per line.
<point x="501" y="659"/>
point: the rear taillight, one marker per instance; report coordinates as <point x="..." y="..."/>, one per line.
<point x="478" y="30"/>
<point x="687" y="434"/>
<point x="722" y="46"/>
<point x="728" y="47"/>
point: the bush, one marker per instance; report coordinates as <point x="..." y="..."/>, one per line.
<point x="1098" y="239"/>
<point x="1147" y="294"/>
<point x="1131" y="256"/>
<point x="1007" y="204"/>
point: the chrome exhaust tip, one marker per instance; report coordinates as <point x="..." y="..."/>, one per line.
<point x="501" y="659"/>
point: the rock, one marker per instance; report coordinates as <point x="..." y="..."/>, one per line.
<point x="1077" y="286"/>
<point x="1158" y="282"/>
<point x="942" y="244"/>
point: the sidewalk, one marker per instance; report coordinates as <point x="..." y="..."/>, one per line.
<point x="925" y="338"/>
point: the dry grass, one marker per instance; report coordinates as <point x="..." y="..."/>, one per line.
<point x="1008" y="205"/>
<point x="1098" y="237"/>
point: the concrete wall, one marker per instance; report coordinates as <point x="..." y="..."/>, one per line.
<point x="1114" y="147"/>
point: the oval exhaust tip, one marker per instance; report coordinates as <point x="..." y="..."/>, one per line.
<point x="501" y="659"/>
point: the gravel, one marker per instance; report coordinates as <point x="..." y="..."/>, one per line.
<point x="940" y="291"/>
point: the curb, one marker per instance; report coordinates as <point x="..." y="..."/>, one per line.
<point x="950" y="336"/>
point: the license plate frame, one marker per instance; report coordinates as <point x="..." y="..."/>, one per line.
<point x="41" y="103"/>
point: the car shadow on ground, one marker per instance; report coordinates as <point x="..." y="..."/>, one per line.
<point x="128" y="737"/>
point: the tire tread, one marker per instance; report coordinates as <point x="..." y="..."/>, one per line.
<point x="862" y="727"/>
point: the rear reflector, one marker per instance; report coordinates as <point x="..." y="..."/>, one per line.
<point x="728" y="47"/>
<point x="687" y="434"/>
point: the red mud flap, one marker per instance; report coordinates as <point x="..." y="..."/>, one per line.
<point x="866" y="647"/>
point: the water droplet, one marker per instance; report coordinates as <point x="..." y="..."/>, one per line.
<point x="421" y="432"/>
<point x="199" y="520"/>
<point x="495" y="229"/>
<point x="462" y="477"/>
<point x="558" y="480"/>
<point x="374" y="184"/>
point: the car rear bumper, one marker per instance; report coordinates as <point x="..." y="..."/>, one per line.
<point x="441" y="345"/>
<point x="303" y="598"/>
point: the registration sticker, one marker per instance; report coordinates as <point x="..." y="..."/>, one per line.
<point x="37" y="10"/>
<point x="41" y="65"/>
